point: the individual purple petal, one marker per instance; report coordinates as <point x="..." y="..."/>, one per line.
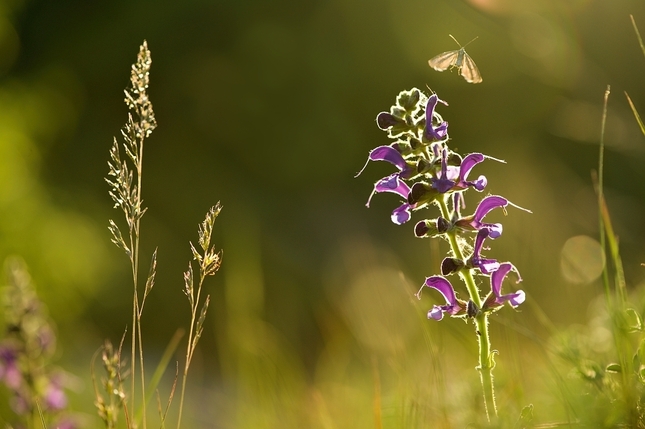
<point x="486" y="266"/>
<point x="496" y="280"/>
<point x="478" y="184"/>
<point x="436" y="313"/>
<point x="401" y="214"/>
<point x="468" y="163"/>
<point x="487" y="205"/>
<point x="389" y="154"/>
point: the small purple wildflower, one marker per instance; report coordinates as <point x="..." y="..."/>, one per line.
<point x="485" y="265"/>
<point x="394" y="182"/>
<point x="55" y="398"/>
<point x="454" y="178"/>
<point x="10" y="374"/>
<point x="474" y="222"/>
<point x="496" y="279"/>
<point x="430" y="132"/>
<point x="453" y="305"/>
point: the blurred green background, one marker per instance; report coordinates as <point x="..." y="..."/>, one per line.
<point x="269" y="107"/>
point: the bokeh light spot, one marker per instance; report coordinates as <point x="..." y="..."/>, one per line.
<point x="581" y="259"/>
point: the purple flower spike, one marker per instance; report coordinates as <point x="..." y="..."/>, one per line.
<point x="496" y="279"/>
<point x="430" y="132"/>
<point x="486" y="266"/>
<point x="452" y="307"/>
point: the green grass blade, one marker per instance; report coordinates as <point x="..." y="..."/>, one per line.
<point x="638" y="34"/>
<point x="161" y="368"/>
<point x="636" y="115"/>
<point x="601" y="197"/>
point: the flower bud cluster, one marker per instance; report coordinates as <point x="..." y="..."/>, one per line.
<point x="430" y="174"/>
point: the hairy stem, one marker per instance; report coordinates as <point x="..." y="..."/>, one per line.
<point x="485" y="366"/>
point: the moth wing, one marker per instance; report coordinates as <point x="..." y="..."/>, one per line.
<point x="444" y="60"/>
<point x="469" y="70"/>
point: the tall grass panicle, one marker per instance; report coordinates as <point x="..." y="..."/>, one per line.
<point x="432" y="175"/>
<point x="34" y="388"/>
<point x="209" y="261"/>
<point x="125" y="180"/>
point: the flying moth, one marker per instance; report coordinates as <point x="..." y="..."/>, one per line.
<point x="458" y="59"/>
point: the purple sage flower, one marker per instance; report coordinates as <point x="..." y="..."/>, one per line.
<point x="394" y="182"/>
<point x="485" y="265"/>
<point x="474" y="222"/>
<point x="453" y="305"/>
<point x="430" y="132"/>
<point x="496" y="279"/>
<point x="455" y="178"/>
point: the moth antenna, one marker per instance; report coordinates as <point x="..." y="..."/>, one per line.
<point x="476" y="37"/>
<point x="453" y="38"/>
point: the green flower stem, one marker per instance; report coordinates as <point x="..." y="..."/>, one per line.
<point x="486" y="363"/>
